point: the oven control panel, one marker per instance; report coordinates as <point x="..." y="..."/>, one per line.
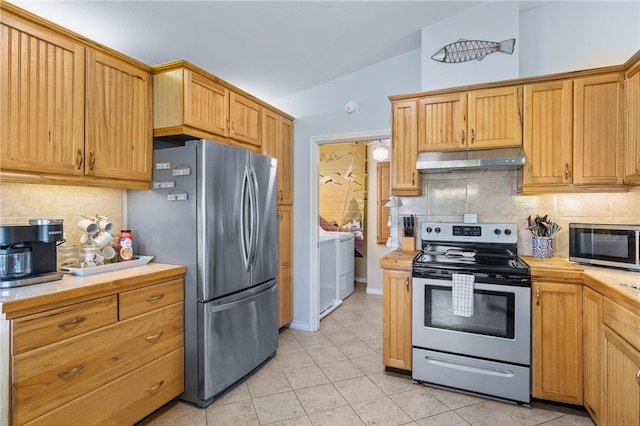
<point x="478" y="232"/>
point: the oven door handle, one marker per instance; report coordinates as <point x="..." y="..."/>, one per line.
<point x="470" y="368"/>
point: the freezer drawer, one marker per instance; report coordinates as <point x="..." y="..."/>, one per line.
<point x="239" y="333"/>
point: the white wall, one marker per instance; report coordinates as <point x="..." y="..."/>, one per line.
<point x="492" y="21"/>
<point x="569" y="36"/>
<point x="320" y="114"/>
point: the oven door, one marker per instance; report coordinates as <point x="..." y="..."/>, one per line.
<point x="499" y="329"/>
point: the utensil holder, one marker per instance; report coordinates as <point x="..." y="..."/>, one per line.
<point x="542" y="246"/>
<point x="408" y="243"/>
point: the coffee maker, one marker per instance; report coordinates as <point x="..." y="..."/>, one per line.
<point x="28" y="252"/>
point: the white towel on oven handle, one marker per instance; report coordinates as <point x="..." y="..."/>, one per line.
<point x="462" y="294"/>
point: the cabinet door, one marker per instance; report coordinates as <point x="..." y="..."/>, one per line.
<point x="41" y="100"/>
<point x="246" y="117"/>
<point x="404" y="149"/>
<point x="622" y="381"/>
<point x="557" y="342"/>
<point x="442" y="122"/>
<point x="396" y="319"/>
<point x="632" y="141"/>
<point x="118" y="142"/>
<point x="548" y="133"/>
<point x="206" y="104"/>
<point x="495" y="118"/>
<point x="277" y="142"/>
<point x="592" y="345"/>
<point x="285" y="262"/>
<point x="383" y="188"/>
<point x="597" y="121"/>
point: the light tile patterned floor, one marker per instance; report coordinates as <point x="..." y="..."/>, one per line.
<point x="336" y="377"/>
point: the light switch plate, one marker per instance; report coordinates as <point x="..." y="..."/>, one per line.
<point x="470" y="218"/>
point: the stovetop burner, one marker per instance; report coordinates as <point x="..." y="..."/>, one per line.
<point x="488" y="251"/>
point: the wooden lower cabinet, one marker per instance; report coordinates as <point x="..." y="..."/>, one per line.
<point x="557" y="341"/>
<point x="396" y="318"/>
<point x="285" y="266"/>
<point x="622" y="383"/>
<point x="592" y="344"/>
<point x="110" y="360"/>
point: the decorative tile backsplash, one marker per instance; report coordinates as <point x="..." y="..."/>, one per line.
<point x="21" y="202"/>
<point x="492" y="196"/>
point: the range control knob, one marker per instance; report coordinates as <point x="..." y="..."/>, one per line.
<point x="429" y="229"/>
<point x="437" y="230"/>
<point x="507" y="231"/>
<point x="497" y="231"/>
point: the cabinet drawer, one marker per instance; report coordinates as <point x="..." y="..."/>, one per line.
<point x="51" y="376"/>
<point x="52" y="326"/>
<point x="125" y="400"/>
<point x="146" y="299"/>
<point x="622" y="321"/>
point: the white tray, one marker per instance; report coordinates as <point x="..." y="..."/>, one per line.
<point x="138" y="261"/>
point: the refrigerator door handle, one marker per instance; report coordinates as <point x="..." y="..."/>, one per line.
<point x="255" y="228"/>
<point x="245" y="234"/>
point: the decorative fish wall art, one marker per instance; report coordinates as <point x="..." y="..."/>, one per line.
<point x="466" y="50"/>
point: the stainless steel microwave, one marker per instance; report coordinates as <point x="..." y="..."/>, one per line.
<point x="607" y="245"/>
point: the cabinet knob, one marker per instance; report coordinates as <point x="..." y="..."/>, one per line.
<point x="406" y="281"/>
<point x="92" y="159"/>
<point x="462" y="137"/>
<point x="537" y="295"/>
<point x="473" y="136"/>
<point x="152" y="388"/>
<point x="154" y="337"/>
<point x="72" y="371"/>
<point x="72" y="322"/>
<point x="566" y="171"/>
<point x="413" y="178"/>
<point x="154" y="298"/>
<point x="638" y="376"/>
<point x="79" y="162"/>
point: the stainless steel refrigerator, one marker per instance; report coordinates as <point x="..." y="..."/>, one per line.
<point x="212" y="207"/>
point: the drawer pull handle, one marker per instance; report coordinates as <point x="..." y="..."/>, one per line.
<point x="72" y="322"/>
<point x="155" y="336"/>
<point x="154" y="298"/>
<point x="72" y="371"/>
<point x="152" y="388"/>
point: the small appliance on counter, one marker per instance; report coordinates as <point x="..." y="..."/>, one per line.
<point x="610" y="245"/>
<point x="28" y="252"/>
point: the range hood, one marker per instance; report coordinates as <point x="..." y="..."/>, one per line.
<point x="451" y="161"/>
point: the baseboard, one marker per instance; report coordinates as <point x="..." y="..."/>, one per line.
<point x="360" y="280"/>
<point x="376" y="291"/>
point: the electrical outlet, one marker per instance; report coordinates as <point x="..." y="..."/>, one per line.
<point x="470" y="218"/>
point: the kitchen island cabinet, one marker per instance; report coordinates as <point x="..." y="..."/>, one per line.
<point x="405" y="179"/>
<point x="396" y="309"/>
<point x="106" y="348"/>
<point x="73" y="112"/>
<point x="476" y="119"/>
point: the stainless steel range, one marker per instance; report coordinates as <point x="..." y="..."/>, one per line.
<point x="472" y="310"/>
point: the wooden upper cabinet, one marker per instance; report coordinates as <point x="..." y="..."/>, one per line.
<point x="405" y="179"/>
<point x="277" y="142"/>
<point x="41" y="99"/>
<point x="485" y="118"/>
<point x="189" y="102"/>
<point x="632" y="140"/>
<point x="442" y="122"/>
<point x="245" y="118"/>
<point x="598" y="130"/>
<point x="548" y="133"/>
<point x="118" y="141"/>
<point x="206" y="104"/>
<point x="495" y="117"/>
